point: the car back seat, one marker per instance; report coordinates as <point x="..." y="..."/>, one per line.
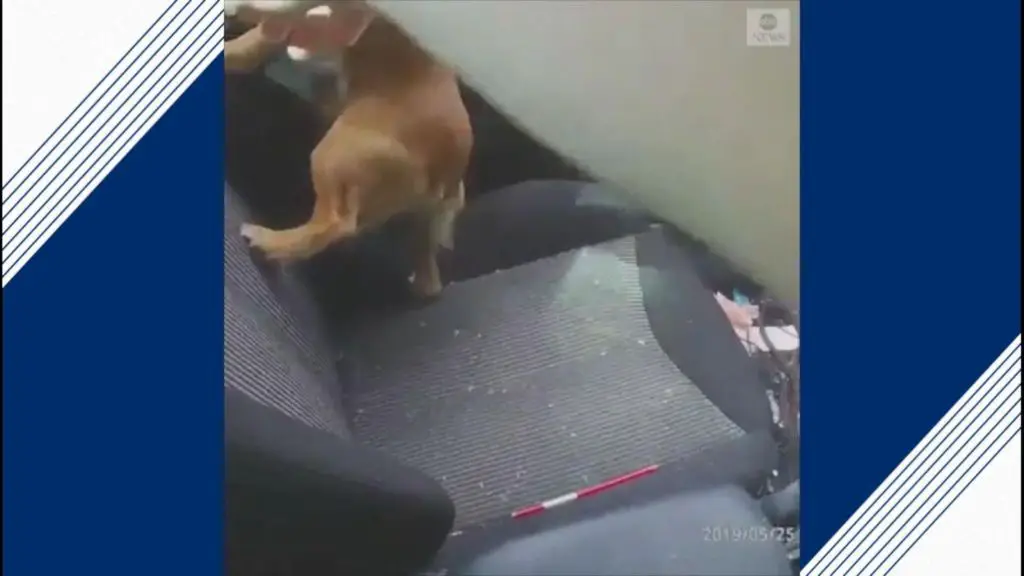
<point x="306" y="491"/>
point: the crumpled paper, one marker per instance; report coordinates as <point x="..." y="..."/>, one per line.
<point x="743" y="316"/>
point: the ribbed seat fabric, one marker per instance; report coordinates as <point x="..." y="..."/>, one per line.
<point x="570" y="365"/>
<point x="273" y="350"/>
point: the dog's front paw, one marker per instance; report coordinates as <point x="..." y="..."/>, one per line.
<point x="253" y="234"/>
<point x="261" y="239"/>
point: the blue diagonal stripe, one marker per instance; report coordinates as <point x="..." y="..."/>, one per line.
<point x="80" y="153"/>
<point x="216" y="41"/>
<point x="854" y="547"/>
<point x="901" y="490"/>
<point x="159" y="84"/>
<point x="984" y="467"/>
<point x="850" y="531"/>
<point x="31" y="157"/>
<point x="25" y="186"/>
<point x="854" y="534"/>
<point x="865" y="551"/>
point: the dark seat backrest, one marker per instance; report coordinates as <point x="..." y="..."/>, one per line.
<point x="274" y="351"/>
<point x="301" y="496"/>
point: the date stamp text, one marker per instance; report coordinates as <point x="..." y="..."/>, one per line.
<point x="727" y="534"/>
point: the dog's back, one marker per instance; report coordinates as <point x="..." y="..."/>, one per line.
<point x="397" y="91"/>
<point x="401" y="144"/>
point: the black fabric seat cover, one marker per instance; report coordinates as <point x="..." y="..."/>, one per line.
<point x="300" y="504"/>
<point x="611" y="544"/>
<point x="300" y="496"/>
<point x="531" y="382"/>
<point x="300" y="501"/>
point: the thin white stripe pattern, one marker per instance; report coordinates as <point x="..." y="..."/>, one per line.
<point x="942" y="466"/>
<point x="167" y="58"/>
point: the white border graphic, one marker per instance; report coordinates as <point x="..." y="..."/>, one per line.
<point x="174" y="49"/>
<point x="167" y="58"/>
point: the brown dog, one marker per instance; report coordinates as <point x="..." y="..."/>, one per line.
<point x="401" y="144"/>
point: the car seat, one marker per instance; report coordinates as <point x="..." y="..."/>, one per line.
<point x="369" y="433"/>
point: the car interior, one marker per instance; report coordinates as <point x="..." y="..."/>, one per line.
<point x="577" y="344"/>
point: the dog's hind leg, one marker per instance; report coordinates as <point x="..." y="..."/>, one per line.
<point x="435" y="228"/>
<point x="442" y="225"/>
<point x="334" y="217"/>
<point x="426" y="276"/>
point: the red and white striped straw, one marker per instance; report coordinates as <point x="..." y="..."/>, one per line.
<point x="589" y="491"/>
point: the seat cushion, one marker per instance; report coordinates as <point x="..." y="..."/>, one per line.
<point x="719" y="531"/>
<point x="532" y="382"/>
<point x="538" y="219"/>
